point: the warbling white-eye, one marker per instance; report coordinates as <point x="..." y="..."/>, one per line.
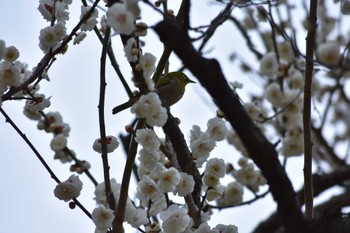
<point x="171" y="88"/>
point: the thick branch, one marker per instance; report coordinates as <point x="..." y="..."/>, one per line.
<point x="184" y="158"/>
<point x="261" y="151"/>
<point x="310" y="44"/>
<point x="321" y="183"/>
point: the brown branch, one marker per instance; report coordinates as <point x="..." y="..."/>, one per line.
<point x="41" y="159"/>
<point x="310" y="44"/>
<point x="47" y="57"/>
<point x="186" y="163"/>
<point x="123" y="196"/>
<point x="263" y="153"/>
<point x="321" y="183"/>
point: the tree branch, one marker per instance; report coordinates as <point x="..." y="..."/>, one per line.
<point x="310" y="44"/>
<point x="263" y="153"/>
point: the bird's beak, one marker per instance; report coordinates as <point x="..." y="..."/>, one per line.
<point x="191" y="81"/>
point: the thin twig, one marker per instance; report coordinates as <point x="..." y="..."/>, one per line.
<point x="257" y="197"/>
<point x="47" y="57"/>
<point x="112" y="58"/>
<point x="123" y="197"/>
<point x="310" y="44"/>
<point x="101" y="105"/>
<point x="41" y="159"/>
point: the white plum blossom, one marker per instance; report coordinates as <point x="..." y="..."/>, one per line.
<point x="63" y="156"/>
<point x="211" y="180"/>
<point x="47" y="39"/>
<point x="158" y="118"/>
<point x="246" y="175"/>
<point x="148" y="139"/>
<point x="131" y="50"/>
<point x="45" y="8"/>
<point x="120" y="19"/>
<point x="62" y="128"/>
<point x="158" y="205"/>
<point x="147" y="63"/>
<point x="295" y="79"/>
<point x="100" y="192"/>
<point x="201" y="147"/>
<point x="233" y="194"/>
<point x="255" y="110"/>
<point x="133" y="7"/>
<point x="9" y="74"/>
<point x="137" y="218"/>
<point x="54" y="118"/>
<point x="274" y="94"/>
<point x="186" y="185"/>
<point x="175" y="219"/>
<point x="80" y="167"/>
<point x="217" y="129"/>
<point x="149" y="83"/>
<point x="61" y="12"/>
<point x="36" y="116"/>
<point x="204" y="228"/>
<point x="10" y="54"/>
<point x="328" y="53"/>
<point x="90" y="23"/>
<point x="168" y="180"/>
<point x="293" y="143"/>
<point x="111" y="142"/>
<point x="60" y="31"/>
<point x="285" y="51"/>
<point x="37" y="104"/>
<point x="141" y="171"/>
<point x="195" y="132"/>
<point x="58" y="143"/>
<point x="147" y="190"/>
<point x="226" y="228"/>
<point x="146" y="105"/>
<point x="149" y="106"/>
<point x="149" y="160"/>
<point x="50" y="37"/>
<point x="102" y="217"/>
<point x="215" y="192"/>
<point x="293" y="101"/>
<point x="216" y="167"/>
<point x="69" y="189"/>
<point x="269" y="65"/>
<point x="79" y="38"/>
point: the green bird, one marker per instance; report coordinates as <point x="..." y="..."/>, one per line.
<point x="171" y="88"/>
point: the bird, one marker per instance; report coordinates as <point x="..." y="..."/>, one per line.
<point x="171" y="88"/>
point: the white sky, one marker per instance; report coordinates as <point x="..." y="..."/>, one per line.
<point x="26" y="197"/>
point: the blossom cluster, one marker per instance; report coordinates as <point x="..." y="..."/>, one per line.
<point x="121" y="16"/>
<point x="103" y="216"/>
<point x="12" y="71"/>
<point x="286" y="97"/>
<point x="279" y="108"/>
<point x="149" y="107"/>
<point x="112" y="143"/>
<point x="202" y="143"/>
<point x="248" y="176"/>
<point x="69" y="189"/>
